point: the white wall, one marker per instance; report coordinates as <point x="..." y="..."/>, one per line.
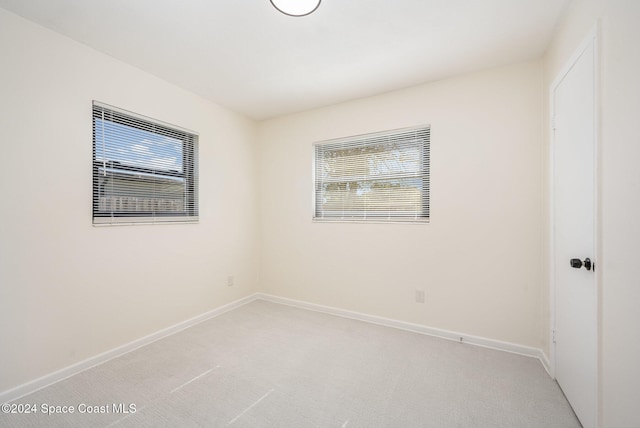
<point x="619" y="273"/>
<point x="68" y="290"/>
<point x="479" y="260"/>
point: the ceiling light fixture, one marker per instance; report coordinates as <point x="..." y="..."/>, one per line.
<point x="296" y="7"/>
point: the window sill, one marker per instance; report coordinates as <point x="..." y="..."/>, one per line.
<point x="142" y="221"/>
<point x="376" y="221"/>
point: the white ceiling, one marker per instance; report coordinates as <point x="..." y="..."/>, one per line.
<point x="245" y="55"/>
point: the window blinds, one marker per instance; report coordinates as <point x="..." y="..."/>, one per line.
<point x="144" y="171"/>
<point x="379" y="177"/>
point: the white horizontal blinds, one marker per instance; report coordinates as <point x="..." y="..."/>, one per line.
<point x="143" y="170"/>
<point x="382" y="176"/>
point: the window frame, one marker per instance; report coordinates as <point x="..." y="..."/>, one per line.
<point x="424" y="218"/>
<point x="190" y="173"/>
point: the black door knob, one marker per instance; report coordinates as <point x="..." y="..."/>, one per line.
<point x="577" y="263"/>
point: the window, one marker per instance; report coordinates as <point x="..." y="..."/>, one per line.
<point x="374" y="177"/>
<point x="144" y="171"/>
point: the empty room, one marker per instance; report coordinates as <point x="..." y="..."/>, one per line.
<point x="320" y="213"/>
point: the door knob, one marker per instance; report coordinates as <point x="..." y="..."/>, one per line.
<point x="577" y="263"/>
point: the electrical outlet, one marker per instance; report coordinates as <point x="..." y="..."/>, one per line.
<point x="230" y="281"/>
<point x="419" y="296"/>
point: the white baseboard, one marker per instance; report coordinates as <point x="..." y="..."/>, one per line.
<point x="44" y="381"/>
<point x="33" y="386"/>
<point x="416" y="328"/>
<point x="546" y="363"/>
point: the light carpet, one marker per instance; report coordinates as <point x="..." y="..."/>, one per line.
<point x="271" y="365"/>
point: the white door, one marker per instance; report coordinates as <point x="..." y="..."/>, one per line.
<point x="573" y="172"/>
